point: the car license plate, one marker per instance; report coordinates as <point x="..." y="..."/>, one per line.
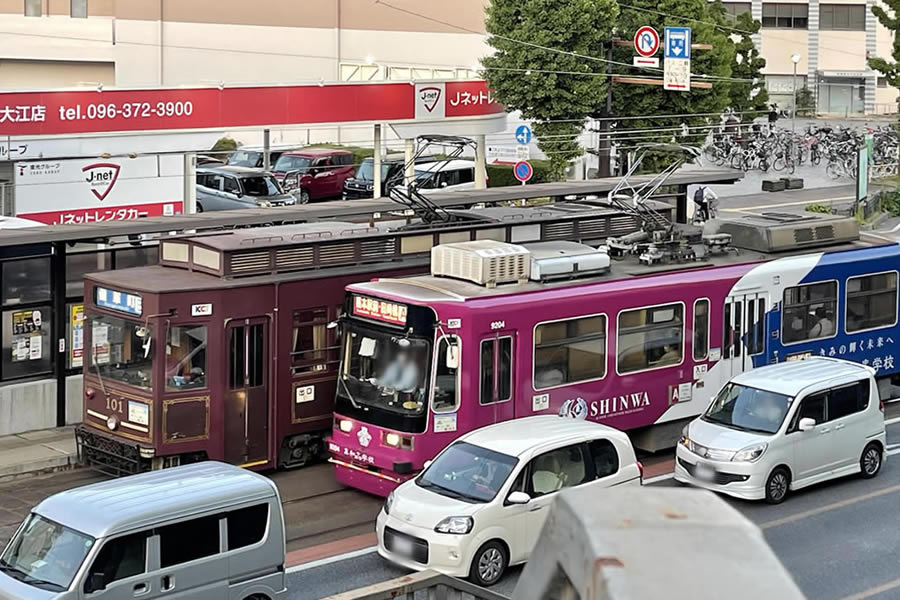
<point x="403" y="546"/>
<point x="704" y="472"/>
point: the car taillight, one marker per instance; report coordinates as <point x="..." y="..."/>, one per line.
<point x="641" y="470"/>
<point x="881" y="405"/>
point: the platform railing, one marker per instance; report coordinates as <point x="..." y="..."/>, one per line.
<point x="427" y="585"/>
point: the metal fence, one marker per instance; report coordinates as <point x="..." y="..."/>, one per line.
<point x="427" y="585"/>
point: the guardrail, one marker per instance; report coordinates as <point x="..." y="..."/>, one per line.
<point x="427" y="585"/>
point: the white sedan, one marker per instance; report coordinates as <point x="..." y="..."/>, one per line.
<point x="480" y="505"/>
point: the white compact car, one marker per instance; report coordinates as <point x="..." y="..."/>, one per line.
<point x="480" y="505"/>
<point x="784" y="427"/>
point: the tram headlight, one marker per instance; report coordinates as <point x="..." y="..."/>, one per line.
<point x="346" y="426"/>
<point x="392" y="439"/>
<point x="455" y="525"/>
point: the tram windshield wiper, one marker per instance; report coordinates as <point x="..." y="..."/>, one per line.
<point x="343" y="381"/>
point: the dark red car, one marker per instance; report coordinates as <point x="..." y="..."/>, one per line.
<point x="317" y="172"/>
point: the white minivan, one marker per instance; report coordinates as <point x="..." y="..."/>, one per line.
<point x="480" y="505"/>
<point x="784" y="427"/>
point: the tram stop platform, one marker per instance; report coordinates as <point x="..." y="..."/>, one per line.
<point x="37" y="452"/>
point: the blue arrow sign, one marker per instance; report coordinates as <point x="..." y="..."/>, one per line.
<point x="523" y="134"/>
<point x="678" y="42"/>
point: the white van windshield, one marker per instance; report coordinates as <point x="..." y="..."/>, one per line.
<point x="748" y="409"/>
<point x="45" y="554"/>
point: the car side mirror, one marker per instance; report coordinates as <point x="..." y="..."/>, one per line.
<point x="95" y="583"/>
<point x="452" y="361"/>
<point x="443" y="184"/>
<point x="426" y="465"/>
<point x="806" y="424"/>
<point x="518" y="498"/>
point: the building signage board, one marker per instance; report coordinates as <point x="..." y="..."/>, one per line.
<point x="90" y="190"/>
<point x="507" y="155"/>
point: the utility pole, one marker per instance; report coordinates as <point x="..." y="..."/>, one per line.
<point x="605" y="147"/>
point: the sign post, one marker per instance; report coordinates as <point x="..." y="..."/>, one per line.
<point x="677" y="63"/>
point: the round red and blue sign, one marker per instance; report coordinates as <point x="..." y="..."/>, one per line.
<point x="523" y="171"/>
<point x="646" y="41"/>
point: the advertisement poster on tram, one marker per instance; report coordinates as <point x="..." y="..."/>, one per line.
<point x="96" y="190"/>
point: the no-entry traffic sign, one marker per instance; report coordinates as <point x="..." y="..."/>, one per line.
<point x="646" y="41"/>
<point x="523" y="171"/>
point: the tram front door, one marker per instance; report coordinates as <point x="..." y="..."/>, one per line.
<point x="247" y="394"/>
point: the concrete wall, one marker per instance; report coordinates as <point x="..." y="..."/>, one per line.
<point x="32" y="405"/>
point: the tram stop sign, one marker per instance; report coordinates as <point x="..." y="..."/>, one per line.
<point x="523" y="170"/>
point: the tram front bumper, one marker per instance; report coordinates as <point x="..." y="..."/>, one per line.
<point x="109" y="455"/>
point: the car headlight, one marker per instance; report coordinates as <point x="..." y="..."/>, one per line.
<point x="388" y="502"/>
<point x="750" y="453"/>
<point x="370" y="187"/>
<point x="455" y="525"/>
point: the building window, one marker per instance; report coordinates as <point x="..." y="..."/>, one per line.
<point x="650" y="338"/>
<point x="785" y="16"/>
<point x="882" y="82"/>
<point x="809" y="312"/>
<point x="79" y="9"/>
<point x="569" y="351"/>
<point x="871" y="301"/>
<point x="850" y="17"/>
<point x="734" y="9"/>
<point x="33" y="8"/>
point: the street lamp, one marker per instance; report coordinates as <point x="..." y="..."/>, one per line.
<point x="795" y="58"/>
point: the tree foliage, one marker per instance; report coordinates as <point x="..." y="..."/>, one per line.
<point x="696" y="108"/>
<point x="750" y="95"/>
<point x="548" y="86"/>
<point x="890" y="69"/>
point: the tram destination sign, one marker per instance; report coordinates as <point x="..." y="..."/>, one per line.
<point x="119" y="301"/>
<point x="379" y="310"/>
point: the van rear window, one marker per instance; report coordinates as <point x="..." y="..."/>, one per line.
<point x="247" y="526"/>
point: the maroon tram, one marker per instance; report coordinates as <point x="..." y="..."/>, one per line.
<point x="223" y="349"/>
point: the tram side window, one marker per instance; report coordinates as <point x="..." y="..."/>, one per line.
<point x="650" y="338"/>
<point x="701" y="329"/>
<point x="236" y="365"/>
<point x="809" y="312"/>
<point x="186" y="357"/>
<point x="446" y="382"/>
<point x="569" y="351"/>
<point x="871" y="301"/>
<point x="309" y="352"/>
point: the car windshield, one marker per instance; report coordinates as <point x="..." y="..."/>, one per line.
<point x="366" y="170"/>
<point x="425" y="179"/>
<point x="45" y="554"/>
<point x="467" y="472"/>
<point x="748" y="409"/>
<point x="263" y="185"/>
<point x="244" y="158"/>
<point x="386" y="370"/>
<point x="288" y="163"/>
<point x="120" y="350"/>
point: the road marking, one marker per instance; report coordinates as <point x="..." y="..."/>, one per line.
<point x="892" y="421"/>
<point x="884" y="587"/>
<point x="829" y="507"/>
<point x="795" y="203"/>
<point x="331" y="559"/>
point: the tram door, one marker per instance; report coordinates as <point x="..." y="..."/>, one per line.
<point x="247" y="393"/>
<point x="744" y="336"/>
<point x="496" y="377"/>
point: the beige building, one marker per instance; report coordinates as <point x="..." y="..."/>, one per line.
<point x="832" y="39"/>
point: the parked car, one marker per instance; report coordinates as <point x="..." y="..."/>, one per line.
<point x="784" y="427"/>
<point x="204" y="160"/>
<point x="480" y="505"/>
<point x="317" y="172"/>
<point x="252" y="156"/>
<point x="228" y="188"/>
<point x="206" y="530"/>
<point x="362" y="184"/>
<point x="456" y="174"/>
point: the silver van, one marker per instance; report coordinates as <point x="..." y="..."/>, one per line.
<point x="206" y="531"/>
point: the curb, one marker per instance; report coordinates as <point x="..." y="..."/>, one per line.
<point x="38" y="467"/>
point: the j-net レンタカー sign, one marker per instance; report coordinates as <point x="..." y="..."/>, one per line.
<point x="90" y="111"/>
<point x="96" y="190"/>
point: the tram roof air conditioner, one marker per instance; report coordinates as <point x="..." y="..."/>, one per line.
<point x="485" y="262"/>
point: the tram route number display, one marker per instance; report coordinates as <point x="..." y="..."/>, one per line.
<point x="379" y="310"/>
<point x="27" y="342"/>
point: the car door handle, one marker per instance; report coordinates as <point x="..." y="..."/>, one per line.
<point x="140" y="589"/>
<point x="535" y="508"/>
<point x="167" y="583"/>
<point x="824" y="430"/>
<point x="841" y="426"/>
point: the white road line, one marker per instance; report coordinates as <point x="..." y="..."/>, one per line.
<point x="892" y="421"/>
<point x="331" y="559"/>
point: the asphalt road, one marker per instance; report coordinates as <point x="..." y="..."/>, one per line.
<point x="839" y="540"/>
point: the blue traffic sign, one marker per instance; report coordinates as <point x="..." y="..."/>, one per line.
<point x="678" y="42"/>
<point x="523" y="134"/>
<point x="523" y="171"/>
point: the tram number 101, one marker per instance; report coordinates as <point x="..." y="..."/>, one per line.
<point x="115" y="405"/>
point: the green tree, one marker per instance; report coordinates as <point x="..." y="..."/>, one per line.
<point x="806" y="103"/>
<point x="548" y="86"/>
<point x="698" y="107"/>
<point x="747" y="95"/>
<point x="891" y="70"/>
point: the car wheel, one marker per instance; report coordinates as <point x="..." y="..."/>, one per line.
<point x="488" y="564"/>
<point x="304" y="197"/>
<point x="199" y="208"/>
<point x="777" y="486"/>
<point x="870" y="461"/>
